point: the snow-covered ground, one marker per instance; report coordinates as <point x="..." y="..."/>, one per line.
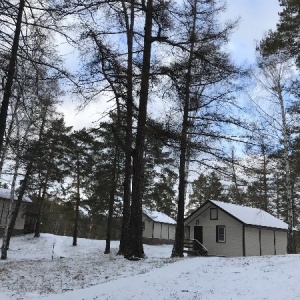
<point x="84" y="272"/>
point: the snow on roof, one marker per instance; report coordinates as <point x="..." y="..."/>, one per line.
<point x="251" y="216"/>
<point x="5" y="194"/>
<point x="158" y="216"/>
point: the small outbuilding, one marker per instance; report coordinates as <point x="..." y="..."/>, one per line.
<point x="158" y="228"/>
<point x="4" y="206"/>
<point x="227" y="229"/>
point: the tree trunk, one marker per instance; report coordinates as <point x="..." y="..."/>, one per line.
<point x="5" y="244"/>
<point x="265" y="180"/>
<point x="177" y="250"/>
<point x="37" y="230"/>
<point x="128" y="140"/>
<point x="41" y="202"/>
<point x="8" y="135"/>
<point x="237" y="195"/>
<point x="115" y="175"/>
<point x="18" y="203"/>
<point x="288" y="184"/>
<point x="10" y="73"/>
<point x="135" y="247"/>
<point x="76" y="219"/>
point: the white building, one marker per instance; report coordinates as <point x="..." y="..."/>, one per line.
<point x="4" y="206"/>
<point x="233" y="230"/>
<point x="158" y="228"/>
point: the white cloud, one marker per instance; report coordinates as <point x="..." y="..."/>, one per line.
<point x="256" y="18"/>
<point x="90" y="116"/>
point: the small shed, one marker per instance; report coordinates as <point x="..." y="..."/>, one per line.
<point x="232" y="230"/>
<point x="4" y="205"/>
<point x="158" y="228"/>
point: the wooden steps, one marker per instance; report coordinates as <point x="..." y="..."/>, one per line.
<point x="194" y="248"/>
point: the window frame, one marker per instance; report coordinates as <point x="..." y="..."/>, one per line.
<point x="216" y="210"/>
<point x="218" y="240"/>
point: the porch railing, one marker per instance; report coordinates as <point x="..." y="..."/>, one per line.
<point x="194" y="247"/>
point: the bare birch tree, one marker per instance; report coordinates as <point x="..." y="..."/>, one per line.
<point x="274" y="78"/>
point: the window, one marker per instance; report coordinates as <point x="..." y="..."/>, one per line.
<point x="221" y="234"/>
<point x="143" y="225"/>
<point x="214" y="213"/>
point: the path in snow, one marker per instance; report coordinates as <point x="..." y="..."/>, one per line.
<point x="30" y="268"/>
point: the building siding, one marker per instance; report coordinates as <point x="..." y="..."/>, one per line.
<point x="165" y="231"/>
<point x="157" y="231"/>
<point x="172" y="230"/>
<point x="281" y="242"/>
<point x="20" y="221"/>
<point x="272" y="241"/>
<point x="252" y="244"/>
<point x="147" y="233"/>
<point x="267" y="242"/>
<point x="234" y="232"/>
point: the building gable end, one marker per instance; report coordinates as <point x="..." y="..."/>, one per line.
<point x="198" y="212"/>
